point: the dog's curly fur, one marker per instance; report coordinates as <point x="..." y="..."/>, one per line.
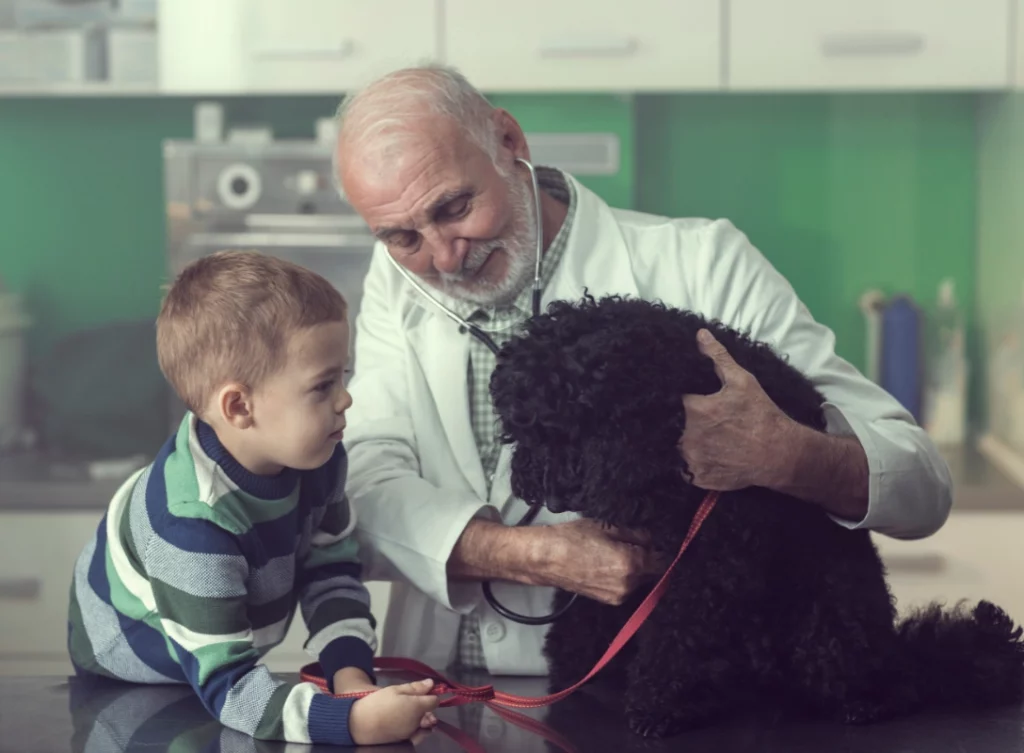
<point x="774" y="601"/>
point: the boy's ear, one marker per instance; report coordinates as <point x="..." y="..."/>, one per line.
<point x="234" y="405"/>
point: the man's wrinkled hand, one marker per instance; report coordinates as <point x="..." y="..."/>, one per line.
<point x="736" y="437"/>
<point x="595" y="561"/>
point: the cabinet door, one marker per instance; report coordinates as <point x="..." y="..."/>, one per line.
<point x="575" y="45"/>
<point x="334" y="45"/>
<point x="37" y="559"/>
<point x="868" y="44"/>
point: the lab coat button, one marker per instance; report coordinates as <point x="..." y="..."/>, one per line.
<point x="494" y="729"/>
<point x="494" y="631"/>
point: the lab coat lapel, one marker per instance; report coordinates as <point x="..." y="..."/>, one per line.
<point x="443" y="354"/>
<point x="596" y="259"/>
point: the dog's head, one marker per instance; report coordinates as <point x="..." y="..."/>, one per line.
<point x="591" y="397"/>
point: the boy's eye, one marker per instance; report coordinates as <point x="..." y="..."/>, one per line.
<point x="324" y="386"/>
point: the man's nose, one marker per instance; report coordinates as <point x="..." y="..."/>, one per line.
<point x="447" y="252"/>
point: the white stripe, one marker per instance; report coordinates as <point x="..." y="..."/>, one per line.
<point x="247" y="700"/>
<point x="295" y="713"/>
<point x="357" y="628"/>
<point x="212" y="481"/>
<point x="136" y="585"/>
<point x="191" y="641"/>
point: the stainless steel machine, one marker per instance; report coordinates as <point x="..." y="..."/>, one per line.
<point x="279" y="198"/>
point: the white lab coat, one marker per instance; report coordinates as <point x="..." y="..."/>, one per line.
<point x="415" y="478"/>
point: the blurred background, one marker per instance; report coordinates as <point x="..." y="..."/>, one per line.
<point x="873" y="150"/>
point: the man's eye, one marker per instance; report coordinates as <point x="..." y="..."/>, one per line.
<point x="457" y="208"/>
<point x="403" y="240"/>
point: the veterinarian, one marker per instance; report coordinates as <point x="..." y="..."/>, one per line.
<point x="433" y="169"/>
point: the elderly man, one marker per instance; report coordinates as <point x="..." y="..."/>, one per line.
<point x="434" y="170"/>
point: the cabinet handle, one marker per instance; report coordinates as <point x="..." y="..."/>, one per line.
<point x="20" y="589"/>
<point x="588" y="47"/>
<point x="871" y="43"/>
<point x="343" y="49"/>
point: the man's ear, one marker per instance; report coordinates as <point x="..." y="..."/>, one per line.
<point x="511" y="139"/>
<point x="235" y="405"/>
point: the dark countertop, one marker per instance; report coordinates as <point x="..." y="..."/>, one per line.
<point x="56" y="715"/>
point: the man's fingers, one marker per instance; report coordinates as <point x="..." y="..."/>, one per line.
<point x="725" y="366"/>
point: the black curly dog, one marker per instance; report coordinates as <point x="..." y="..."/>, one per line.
<point x="774" y="601"/>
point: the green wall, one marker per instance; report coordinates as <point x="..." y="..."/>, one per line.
<point x="1000" y="255"/>
<point x="840" y="192"/>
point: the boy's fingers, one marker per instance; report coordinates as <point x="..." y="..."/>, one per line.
<point x="420" y="687"/>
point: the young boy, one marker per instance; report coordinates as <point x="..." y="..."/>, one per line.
<point x="197" y="567"/>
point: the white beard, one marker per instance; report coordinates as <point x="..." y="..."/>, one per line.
<point x="520" y="249"/>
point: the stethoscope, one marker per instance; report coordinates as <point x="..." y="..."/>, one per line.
<point x="479" y="334"/>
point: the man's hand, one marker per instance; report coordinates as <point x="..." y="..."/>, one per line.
<point x="579" y="556"/>
<point x="737" y="437"/>
<point x="734" y="438"/>
<point x="587" y="558"/>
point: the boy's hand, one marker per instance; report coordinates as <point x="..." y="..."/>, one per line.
<point x="393" y="714"/>
<point x="352" y="680"/>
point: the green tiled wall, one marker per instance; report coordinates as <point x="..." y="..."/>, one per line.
<point x="840" y="192"/>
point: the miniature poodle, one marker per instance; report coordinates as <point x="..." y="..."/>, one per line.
<point x="774" y="602"/>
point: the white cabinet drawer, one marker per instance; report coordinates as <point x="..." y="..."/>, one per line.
<point x="974" y="556"/>
<point x="334" y="45"/>
<point x="868" y="44"/>
<point x="573" y="45"/>
<point x="37" y="557"/>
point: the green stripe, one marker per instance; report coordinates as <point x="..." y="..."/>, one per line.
<point x="79" y="645"/>
<point x="219" y="655"/>
<point x="271" y="726"/>
<point x="199" y="614"/>
<point x="123" y="600"/>
<point x="346" y="550"/>
<point x="124" y="528"/>
<point x="267" y="614"/>
<point x="337" y="610"/>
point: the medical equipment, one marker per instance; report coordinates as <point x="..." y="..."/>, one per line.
<point x="464" y="327"/>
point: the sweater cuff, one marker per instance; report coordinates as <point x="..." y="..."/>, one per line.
<point x="328" y="720"/>
<point x="347" y="651"/>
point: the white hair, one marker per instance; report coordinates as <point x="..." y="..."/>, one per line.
<point x="386" y="112"/>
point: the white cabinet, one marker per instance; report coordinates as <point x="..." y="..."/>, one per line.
<point x="1017" y="34"/>
<point x="37" y="557"/>
<point x="830" y="45"/>
<point x="575" y="45"/>
<point x="293" y="46"/>
<point x="976" y="555"/>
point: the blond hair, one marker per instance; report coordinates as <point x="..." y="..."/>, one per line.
<point x="227" y="317"/>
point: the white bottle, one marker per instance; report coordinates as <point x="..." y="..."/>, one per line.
<point x="945" y="408"/>
<point x="1015" y="383"/>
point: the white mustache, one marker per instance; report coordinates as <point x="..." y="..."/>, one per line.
<point x="475" y="258"/>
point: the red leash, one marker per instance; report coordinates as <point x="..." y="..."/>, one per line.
<point x="500" y="702"/>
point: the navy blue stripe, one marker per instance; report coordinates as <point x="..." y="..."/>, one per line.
<point x="347" y="651"/>
<point x="277" y="486"/>
<point x="215" y="692"/>
<point x="328" y="570"/>
<point x="98" y="566"/>
<point x="150" y="647"/>
<point x="328" y="720"/>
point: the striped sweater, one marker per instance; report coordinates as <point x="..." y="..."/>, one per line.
<point x="195" y="572"/>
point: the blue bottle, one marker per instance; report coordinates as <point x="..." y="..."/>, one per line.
<point x="902" y="364"/>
